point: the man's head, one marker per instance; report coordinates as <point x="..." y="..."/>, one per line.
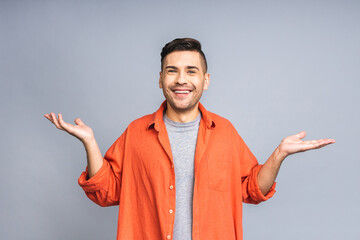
<point x="183" y="44"/>
<point x="183" y="77"/>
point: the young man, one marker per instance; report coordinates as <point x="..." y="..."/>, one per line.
<point x="181" y="172"/>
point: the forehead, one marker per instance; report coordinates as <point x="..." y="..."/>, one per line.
<point x="183" y="59"/>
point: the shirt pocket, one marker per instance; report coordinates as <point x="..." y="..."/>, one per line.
<point x="218" y="173"/>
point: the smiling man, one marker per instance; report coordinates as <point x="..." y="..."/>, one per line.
<point x="181" y="172"/>
<point x="183" y="81"/>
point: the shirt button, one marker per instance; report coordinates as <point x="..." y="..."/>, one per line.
<point x="171" y="187"/>
<point x="170" y="211"/>
<point x="168" y="237"/>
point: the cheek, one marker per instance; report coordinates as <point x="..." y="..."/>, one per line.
<point x="167" y="91"/>
<point x="164" y="83"/>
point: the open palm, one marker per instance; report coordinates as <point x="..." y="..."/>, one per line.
<point x="293" y="144"/>
<point x="80" y="130"/>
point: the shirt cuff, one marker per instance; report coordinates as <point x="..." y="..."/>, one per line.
<point x="97" y="181"/>
<point x="255" y="191"/>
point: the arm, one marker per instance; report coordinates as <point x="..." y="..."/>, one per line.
<point x="94" y="157"/>
<point x="101" y="180"/>
<point x="85" y="134"/>
<point x="289" y="145"/>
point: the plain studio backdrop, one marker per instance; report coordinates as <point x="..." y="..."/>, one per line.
<point x="276" y="68"/>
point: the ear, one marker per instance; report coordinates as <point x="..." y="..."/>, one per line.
<point x="160" y="79"/>
<point x="206" y="81"/>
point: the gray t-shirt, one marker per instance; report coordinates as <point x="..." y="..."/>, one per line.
<point x="183" y="137"/>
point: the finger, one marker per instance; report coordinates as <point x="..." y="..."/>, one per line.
<point x="313" y="144"/>
<point x="63" y="124"/>
<point x="321" y="141"/>
<point x="55" y="121"/>
<point x="296" y="137"/>
<point x="48" y="117"/>
<point x="330" y="140"/>
<point x="300" y="135"/>
<point x="325" y="142"/>
<point x="79" y="122"/>
<point x="51" y="118"/>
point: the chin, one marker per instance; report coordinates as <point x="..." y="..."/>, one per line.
<point x="182" y="107"/>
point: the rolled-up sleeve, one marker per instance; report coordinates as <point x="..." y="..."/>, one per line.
<point x="97" y="181"/>
<point x="250" y="168"/>
<point x="254" y="191"/>
<point x="104" y="187"/>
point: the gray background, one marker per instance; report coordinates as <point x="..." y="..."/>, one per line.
<point x="276" y="67"/>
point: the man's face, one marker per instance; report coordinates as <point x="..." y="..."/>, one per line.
<point x="183" y="80"/>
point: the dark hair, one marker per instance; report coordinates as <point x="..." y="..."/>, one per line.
<point x="182" y="44"/>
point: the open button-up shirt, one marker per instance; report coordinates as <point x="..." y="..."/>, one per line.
<point x="138" y="174"/>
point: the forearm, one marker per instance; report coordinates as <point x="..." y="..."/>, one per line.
<point x="289" y="145"/>
<point x="269" y="171"/>
<point x="94" y="157"/>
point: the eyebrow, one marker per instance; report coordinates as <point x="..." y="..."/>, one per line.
<point x="192" y="67"/>
<point x="188" y="67"/>
<point x="172" y="67"/>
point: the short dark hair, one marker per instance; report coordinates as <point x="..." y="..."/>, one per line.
<point x="182" y="44"/>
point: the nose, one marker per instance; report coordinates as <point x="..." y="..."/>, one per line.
<point x="181" y="78"/>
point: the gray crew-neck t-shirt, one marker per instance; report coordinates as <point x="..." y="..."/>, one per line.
<point x="183" y="137"/>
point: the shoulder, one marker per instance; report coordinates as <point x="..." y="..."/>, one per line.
<point x="136" y="128"/>
<point x="221" y="122"/>
<point x="142" y="122"/>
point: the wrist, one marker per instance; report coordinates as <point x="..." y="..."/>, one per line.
<point x="279" y="155"/>
<point x="89" y="141"/>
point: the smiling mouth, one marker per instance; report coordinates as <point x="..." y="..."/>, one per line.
<point x="181" y="92"/>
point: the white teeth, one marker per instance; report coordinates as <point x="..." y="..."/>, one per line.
<point x="182" y="91"/>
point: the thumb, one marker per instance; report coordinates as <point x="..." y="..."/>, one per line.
<point x="301" y="134"/>
<point x="78" y="121"/>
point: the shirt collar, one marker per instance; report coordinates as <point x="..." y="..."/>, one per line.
<point x="157" y="121"/>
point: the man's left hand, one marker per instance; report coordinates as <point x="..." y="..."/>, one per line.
<point x="293" y="144"/>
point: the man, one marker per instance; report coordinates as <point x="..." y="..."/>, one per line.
<point x="181" y="172"/>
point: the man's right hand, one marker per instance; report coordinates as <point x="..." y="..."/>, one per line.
<point x="81" y="131"/>
<point x="86" y="136"/>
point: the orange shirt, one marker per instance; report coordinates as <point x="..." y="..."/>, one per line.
<point x="138" y="174"/>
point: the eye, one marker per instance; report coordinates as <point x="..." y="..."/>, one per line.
<point x="191" y="71"/>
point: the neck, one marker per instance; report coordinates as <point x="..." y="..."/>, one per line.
<point x="183" y="117"/>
